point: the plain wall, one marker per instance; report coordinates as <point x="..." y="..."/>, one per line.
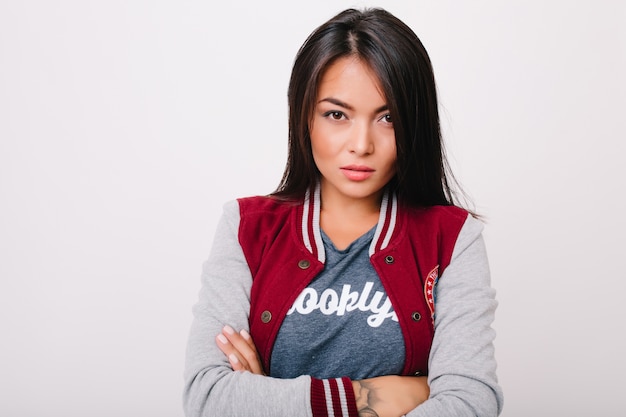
<point x="125" y="125"/>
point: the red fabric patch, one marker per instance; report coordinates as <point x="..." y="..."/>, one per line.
<point x="429" y="290"/>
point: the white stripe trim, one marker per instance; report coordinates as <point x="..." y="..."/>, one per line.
<point x="381" y="223"/>
<point x="329" y="398"/>
<point x="305" y="223"/>
<point x="321" y="254"/>
<point x="342" y="397"/>
<point x="392" y="222"/>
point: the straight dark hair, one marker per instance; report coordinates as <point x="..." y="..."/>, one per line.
<point x="400" y="61"/>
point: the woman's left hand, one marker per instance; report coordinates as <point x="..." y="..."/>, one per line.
<point x="240" y="350"/>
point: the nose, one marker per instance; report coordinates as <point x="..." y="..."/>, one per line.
<point x="361" y="140"/>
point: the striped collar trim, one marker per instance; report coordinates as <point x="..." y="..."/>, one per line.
<point x="312" y="236"/>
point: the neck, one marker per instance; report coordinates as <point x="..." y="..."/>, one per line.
<point x="337" y="204"/>
<point x="344" y="219"/>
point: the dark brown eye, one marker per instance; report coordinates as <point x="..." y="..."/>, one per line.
<point x="335" y="115"/>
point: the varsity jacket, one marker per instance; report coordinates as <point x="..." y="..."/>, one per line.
<point x="270" y="251"/>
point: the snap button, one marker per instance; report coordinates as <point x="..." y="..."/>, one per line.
<point x="417" y="373"/>
<point x="416" y="316"/>
<point x="304" y="264"/>
<point x="389" y="259"/>
<point x="266" y="316"/>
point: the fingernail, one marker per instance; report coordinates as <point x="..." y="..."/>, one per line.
<point x="233" y="359"/>
<point x="244" y="334"/>
<point x="222" y="338"/>
<point x="229" y="330"/>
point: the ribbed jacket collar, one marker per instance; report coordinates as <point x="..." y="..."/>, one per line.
<point x="311" y="233"/>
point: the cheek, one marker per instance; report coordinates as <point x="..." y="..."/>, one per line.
<point x="321" y="145"/>
<point x="391" y="159"/>
<point x="318" y="150"/>
<point x="391" y="152"/>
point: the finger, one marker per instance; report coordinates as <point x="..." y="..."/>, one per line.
<point x="237" y="362"/>
<point x="245" y="349"/>
<point x="254" y="360"/>
<point x="246" y="336"/>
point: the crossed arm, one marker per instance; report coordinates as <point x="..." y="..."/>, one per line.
<point x="461" y="367"/>
<point x="384" y="396"/>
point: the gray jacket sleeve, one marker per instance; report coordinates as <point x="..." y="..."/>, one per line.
<point x="212" y="388"/>
<point x="462" y="366"/>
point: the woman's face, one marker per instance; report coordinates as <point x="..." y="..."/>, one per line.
<point x="352" y="136"/>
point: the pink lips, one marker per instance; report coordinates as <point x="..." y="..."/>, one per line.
<point x="357" y="172"/>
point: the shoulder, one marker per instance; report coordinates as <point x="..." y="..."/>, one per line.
<point x="432" y="232"/>
<point x="441" y="213"/>
<point x="246" y="208"/>
<point x="264" y="214"/>
<point x="435" y="219"/>
<point x="263" y="206"/>
<point x="266" y="223"/>
<point x="260" y="203"/>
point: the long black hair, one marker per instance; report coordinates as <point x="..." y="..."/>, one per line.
<point x="400" y="61"/>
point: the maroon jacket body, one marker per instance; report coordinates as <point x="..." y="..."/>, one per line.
<point x="410" y="250"/>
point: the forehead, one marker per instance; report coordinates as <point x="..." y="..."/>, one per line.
<point x="350" y="77"/>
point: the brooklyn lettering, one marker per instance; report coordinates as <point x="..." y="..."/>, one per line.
<point x="329" y="303"/>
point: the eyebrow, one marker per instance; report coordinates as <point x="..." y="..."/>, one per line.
<point x="340" y="103"/>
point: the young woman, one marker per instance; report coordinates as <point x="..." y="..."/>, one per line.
<point x="358" y="288"/>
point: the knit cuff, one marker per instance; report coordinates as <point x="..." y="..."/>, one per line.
<point x="333" y="397"/>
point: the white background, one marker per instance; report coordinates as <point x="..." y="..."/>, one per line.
<point x="125" y="125"/>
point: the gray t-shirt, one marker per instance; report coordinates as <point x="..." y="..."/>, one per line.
<point x="323" y="332"/>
